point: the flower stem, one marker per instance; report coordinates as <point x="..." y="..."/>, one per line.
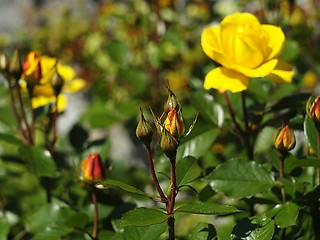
<point x="163" y="198"/>
<point x="231" y="112"/>
<point x="281" y="169"/>
<point x="318" y="142"/>
<point x="54" y="127"/>
<point x="95" y="216"/>
<point x="246" y="135"/>
<point x="23" y="114"/>
<point x="172" y="197"/>
<point x="16" y="115"/>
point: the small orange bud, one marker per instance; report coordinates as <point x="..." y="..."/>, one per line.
<point x="284" y="139"/>
<point x="92" y="168"/>
<point x="32" y="72"/>
<point x="174" y="124"/>
<point x="313" y="108"/>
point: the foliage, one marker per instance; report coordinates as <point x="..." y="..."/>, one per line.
<point x="223" y="179"/>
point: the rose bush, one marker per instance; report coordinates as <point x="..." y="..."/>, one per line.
<point x="245" y="49"/>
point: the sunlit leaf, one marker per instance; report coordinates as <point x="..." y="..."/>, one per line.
<point x="203" y="231"/>
<point x="143" y="217"/>
<point x="240" y="178"/>
<point x="187" y="170"/>
<point x="151" y="232"/>
<point x="207" y="208"/>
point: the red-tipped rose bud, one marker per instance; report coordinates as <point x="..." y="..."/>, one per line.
<point x="92" y="168"/>
<point x="32" y="72"/>
<point x="144" y="130"/>
<point x="168" y="144"/>
<point x="284" y="139"/>
<point x="174" y="124"/>
<point x="313" y="108"/>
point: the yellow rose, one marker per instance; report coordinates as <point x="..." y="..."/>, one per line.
<point x="244" y="48"/>
<point x="43" y="92"/>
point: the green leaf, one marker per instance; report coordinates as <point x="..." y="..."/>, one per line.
<point x="198" y="145"/>
<point x="207" y="208"/>
<point x="247" y="229"/>
<point x="49" y="218"/>
<point x="123" y="186"/>
<point x="187" y="170"/>
<point x="142" y="217"/>
<point x="240" y="178"/>
<point x="9" y="138"/>
<point x="39" y="159"/>
<point x="78" y="220"/>
<point x="152" y="232"/>
<point x="263" y="233"/>
<point x="206" y="105"/>
<point x="287" y="215"/>
<point x="292" y="162"/>
<point x="203" y="231"/>
<point x="310" y="132"/>
<point x="4" y="229"/>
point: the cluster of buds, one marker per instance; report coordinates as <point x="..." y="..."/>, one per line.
<point x="169" y="125"/>
<point x="284" y="139"/>
<point x="93" y="170"/>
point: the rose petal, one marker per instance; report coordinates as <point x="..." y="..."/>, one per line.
<point x="261" y="71"/>
<point x="276" y="40"/>
<point x="74" y="86"/>
<point x="224" y="79"/>
<point x="283" y="73"/>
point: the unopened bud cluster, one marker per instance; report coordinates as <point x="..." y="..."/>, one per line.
<point x="170" y="127"/>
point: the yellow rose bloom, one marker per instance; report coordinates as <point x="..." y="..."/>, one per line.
<point x="245" y="49"/>
<point x="43" y="92"/>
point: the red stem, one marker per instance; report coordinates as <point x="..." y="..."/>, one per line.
<point x="95" y="216"/>
<point x="23" y="114"/>
<point x="163" y="198"/>
<point x="170" y="205"/>
<point x="15" y="114"/>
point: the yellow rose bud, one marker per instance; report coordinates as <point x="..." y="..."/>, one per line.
<point x="313" y="108"/>
<point x="284" y="139"/>
<point x="92" y="168"/>
<point x="174" y="124"/>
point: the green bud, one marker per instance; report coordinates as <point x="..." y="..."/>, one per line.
<point x="144" y="130"/>
<point x="168" y="144"/>
<point x="56" y="83"/>
<point x="4" y="63"/>
<point x="15" y="67"/>
<point x="171" y="103"/>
